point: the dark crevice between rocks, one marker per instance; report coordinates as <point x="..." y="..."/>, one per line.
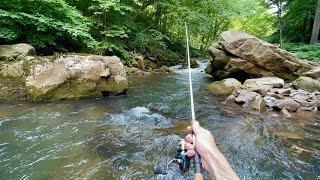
<point x="107" y="93"/>
<point x="240" y="75"/>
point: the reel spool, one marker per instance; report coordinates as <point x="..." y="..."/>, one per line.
<point x="180" y="158"/>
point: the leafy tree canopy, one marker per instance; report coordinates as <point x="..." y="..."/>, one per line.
<point x="151" y="27"/>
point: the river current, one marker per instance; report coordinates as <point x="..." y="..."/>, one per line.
<point x="124" y="137"/>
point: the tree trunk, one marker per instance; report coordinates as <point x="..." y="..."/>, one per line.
<point x="279" y="4"/>
<point x="202" y="43"/>
<point x="316" y="25"/>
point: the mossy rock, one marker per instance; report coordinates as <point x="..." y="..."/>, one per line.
<point x="307" y="84"/>
<point x="224" y="87"/>
<point x="62" y="77"/>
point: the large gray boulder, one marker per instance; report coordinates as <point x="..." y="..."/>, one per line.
<point x="246" y="56"/>
<point x="10" y="52"/>
<point x="70" y="76"/>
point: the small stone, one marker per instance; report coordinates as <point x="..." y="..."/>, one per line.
<point x="269" y="101"/>
<point x="278" y="96"/>
<point x="300" y="96"/>
<point x="309" y="108"/>
<point x="287" y="104"/>
<point x="308" y="104"/>
<point x="281" y="91"/>
<point x="296" y="149"/>
<point x="236" y="92"/>
<point x="259" y="104"/>
<point x="245" y="96"/>
<point x="230" y="100"/>
<point x="285" y="113"/>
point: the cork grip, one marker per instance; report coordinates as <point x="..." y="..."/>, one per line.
<point x="198" y="176"/>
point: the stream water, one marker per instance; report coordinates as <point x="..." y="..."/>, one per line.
<point x="123" y="137"/>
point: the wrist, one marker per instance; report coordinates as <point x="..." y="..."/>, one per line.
<point x="219" y="167"/>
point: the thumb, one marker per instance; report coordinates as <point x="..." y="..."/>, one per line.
<point x="195" y="126"/>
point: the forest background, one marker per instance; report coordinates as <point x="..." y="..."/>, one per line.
<point x="154" y="28"/>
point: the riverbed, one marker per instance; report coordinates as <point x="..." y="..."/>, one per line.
<point x="123" y="137"/>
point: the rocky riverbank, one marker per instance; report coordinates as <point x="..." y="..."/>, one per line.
<point x="147" y="66"/>
<point x="24" y="76"/>
<point x="261" y="76"/>
<point x="270" y="93"/>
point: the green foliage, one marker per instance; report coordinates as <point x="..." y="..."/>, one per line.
<point x="297" y="18"/>
<point x="108" y="48"/>
<point x="45" y="24"/>
<point x="154" y="28"/>
<point x="305" y="51"/>
<point x="256" y="20"/>
<point x="149" y="39"/>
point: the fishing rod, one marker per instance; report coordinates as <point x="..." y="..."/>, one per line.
<point x="197" y="165"/>
<point x="181" y="157"/>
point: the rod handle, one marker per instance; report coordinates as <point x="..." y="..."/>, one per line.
<point x="198" y="176"/>
<point x="197" y="167"/>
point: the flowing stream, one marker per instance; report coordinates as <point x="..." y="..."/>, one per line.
<point x="123" y="137"/>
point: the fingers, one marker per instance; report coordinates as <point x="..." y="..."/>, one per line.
<point x="191" y="153"/>
<point x="189" y="138"/>
<point x="189" y="146"/>
<point x="189" y="129"/>
<point x="195" y="127"/>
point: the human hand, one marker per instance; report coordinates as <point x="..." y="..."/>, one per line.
<point x="211" y="158"/>
<point x="204" y="143"/>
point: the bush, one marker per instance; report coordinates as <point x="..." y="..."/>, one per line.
<point x="48" y="25"/>
<point x="305" y="51"/>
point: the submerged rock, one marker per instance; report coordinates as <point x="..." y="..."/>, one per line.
<point x="296" y="149"/>
<point x="64" y="77"/>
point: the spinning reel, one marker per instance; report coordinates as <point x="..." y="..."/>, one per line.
<point x="180" y="158"/>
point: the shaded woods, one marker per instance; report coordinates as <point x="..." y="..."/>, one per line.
<point x="151" y="27"/>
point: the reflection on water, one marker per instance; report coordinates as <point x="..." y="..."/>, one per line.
<point x="123" y="137"/>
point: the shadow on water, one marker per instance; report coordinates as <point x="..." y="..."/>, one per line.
<point x="123" y="137"/>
